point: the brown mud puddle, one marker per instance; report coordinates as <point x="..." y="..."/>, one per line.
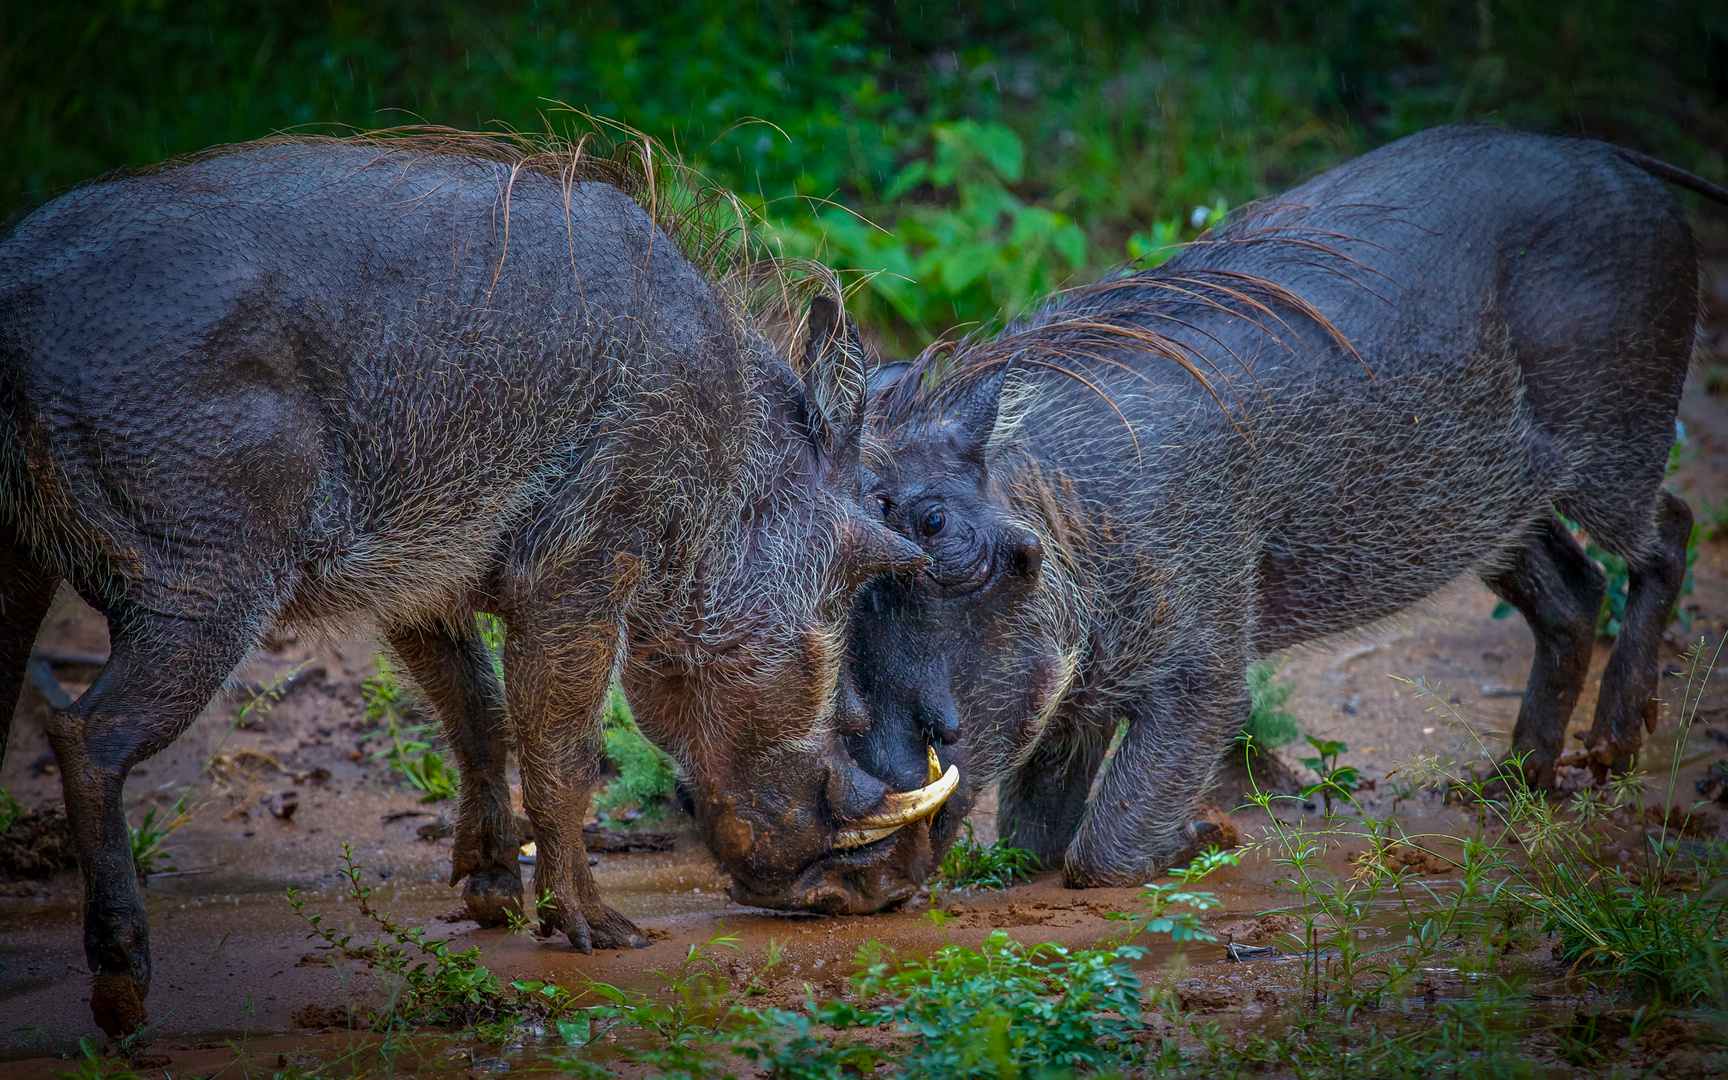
<point x="234" y="965"/>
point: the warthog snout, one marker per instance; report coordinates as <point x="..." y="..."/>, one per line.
<point x="866" y="846"/>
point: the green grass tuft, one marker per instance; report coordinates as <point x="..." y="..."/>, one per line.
<point x="971" y="865"/>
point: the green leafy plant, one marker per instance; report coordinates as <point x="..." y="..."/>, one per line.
<point x="1002" y="1008"/>
<point x="980" y="254"/>
<point x="1658" y="920"/>
<point x="1157" y="914"/>
<point x="383" y="696"/>
<point x="421" y="766"/>
<point x="492" y="637"/>
<point x="148" y="836"/>
<point x="971" y="865"/>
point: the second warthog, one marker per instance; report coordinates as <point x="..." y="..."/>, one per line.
<point x="412" y="379"/>
<point x="1402" y="371"/>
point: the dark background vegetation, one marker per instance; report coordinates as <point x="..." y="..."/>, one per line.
<point x="1004" y="146"/>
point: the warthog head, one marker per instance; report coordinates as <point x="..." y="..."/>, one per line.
<point x="750" y="694"/>
<point x="954" y="663"/>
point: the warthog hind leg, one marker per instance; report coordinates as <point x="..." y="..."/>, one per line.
<point x="1626" y="705"/>
<point x="162" y="669"/>
<point x="1558" y="590"/>
<point x="452" y="668"/>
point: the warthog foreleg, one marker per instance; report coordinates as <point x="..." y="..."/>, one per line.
<point x="1626" y="705"/>
<point x="1141" y="822"/>
<point x="453" y="670"/>
<point x="161" y="671"/>
<point x="556" y="678"/>
<point x="1044" y="800"/>
<point x="1558" y="590"/>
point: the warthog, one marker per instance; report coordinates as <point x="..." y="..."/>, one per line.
<point x="1406" y="369"/>
<point x="416" y="378"/>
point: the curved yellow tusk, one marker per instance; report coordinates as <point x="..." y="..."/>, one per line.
<point x="901" y="808"/>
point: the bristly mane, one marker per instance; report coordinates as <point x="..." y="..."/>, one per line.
<point x="709" y="225"/>
<point x="1076" y="334"/>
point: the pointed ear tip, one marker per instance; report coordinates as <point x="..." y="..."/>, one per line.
<point x="823" y="310"/>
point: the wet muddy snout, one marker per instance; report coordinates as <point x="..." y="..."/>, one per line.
<point x="851" y="843"/>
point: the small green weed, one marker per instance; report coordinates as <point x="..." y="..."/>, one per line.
<point x="148" y="836"/>
<point x="410" y="753"/>
<point x="492" y="637"/>
<point x="983" y="251"/>
<point x="971" y="865"/>
<point x="1002" y="1009"/>
<point x="1655" y="918"/>
<point x="1650" y="919"/>
<point x="10" y="808"/>
<point x="441" y="986"/>
<point x="1336" y="781"/>
<point x="383" y="695"/>
<point x="1157" y="914"/>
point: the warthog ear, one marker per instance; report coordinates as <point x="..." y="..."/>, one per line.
<point x="885" y="377"/>
<point x="832" y="362"/>
<point x="976" y="410"/>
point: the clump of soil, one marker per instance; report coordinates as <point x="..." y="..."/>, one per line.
<point x="1406" y="857"/>
<point x="322" y="1016"/>
<point x="38" y="845"/>
<point x="1263" y="930"/>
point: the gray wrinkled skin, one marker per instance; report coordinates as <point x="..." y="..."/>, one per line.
<point x="311" y="379"/>
<point x="1393" y="375"/>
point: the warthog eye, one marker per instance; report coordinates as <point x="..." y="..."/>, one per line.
<point x="933" y="522"/>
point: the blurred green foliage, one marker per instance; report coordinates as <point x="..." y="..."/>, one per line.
<point x="1269" y="724"/>
<point x="645" y="782"/>
<point x="986" y="152"/>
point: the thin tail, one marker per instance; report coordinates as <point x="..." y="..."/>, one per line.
<point x="1663" y="171"/>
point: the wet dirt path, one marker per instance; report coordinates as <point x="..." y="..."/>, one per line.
<point x="233" y="961"/>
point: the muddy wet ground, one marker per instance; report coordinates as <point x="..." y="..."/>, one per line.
<point x="234" y="963"/>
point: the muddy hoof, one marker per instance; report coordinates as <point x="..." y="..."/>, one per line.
<point x="1215" y="830"/>
<point x="1076" y="875"/>
<point x="613" y="931"/>
<point x="118" y="1004"/>
<point x="493" y="896"/>
<point x="1510" y="776"/>
<point x="1609" y="756"/>
<point x="606" y="930"/>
